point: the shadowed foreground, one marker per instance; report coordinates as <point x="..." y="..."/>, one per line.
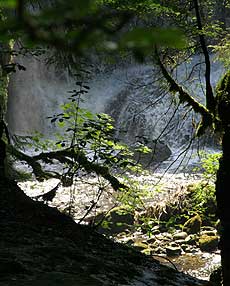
<point x="41" y="246"/>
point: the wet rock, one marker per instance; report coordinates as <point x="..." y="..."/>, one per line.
<point x="147" y="251"/>
<point x="116" y="221"/>
<point x="140" y="245"/>
<point x="180" y="235"/>
<point x="209" y="232"/>
<point x="208" y="243"/>
<point x="151" y="240"/>
<point x="159" y="153"/>
<point x="191" y="239"/>
<point x="193" y="225"/>
<point x="173" y="251"/>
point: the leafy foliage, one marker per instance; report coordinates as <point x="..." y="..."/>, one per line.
<point x="201" y="198"/>
<point x="209" y="165"/>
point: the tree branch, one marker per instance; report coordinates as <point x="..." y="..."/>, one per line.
<point x="39" y="173"/>
<point x="65" y="156"/>
<point x="82" y="160"/>
<point x="210" y="99"/>
<point x="207" y="116"/>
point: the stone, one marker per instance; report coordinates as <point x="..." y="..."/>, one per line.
<point x="158" y="250"/>
<point x="168" y="235"/>
<point x="173" y="244"/>
<point x="193" y="225"/>
<point x="207" y="228"/>
<point x="185" y="247"/>
<point x="147" y="251"/>
<point x="173" y="251"/>
<point x="163" y="237"/>
<point x="140" y="245"/>
<point x="208" y="243"/>
<point x="191" y="239"/>
<point x="209" y="232"/>
<point x="116" y="221"/>
<point x="179" y="241"/>
<point x="151" y="240"/>
<point x="180" y="235"/>
<point x="159" y="153"/>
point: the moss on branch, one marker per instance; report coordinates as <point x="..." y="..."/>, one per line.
<point x="208" y="117"/>
<point x="66" y="156"/>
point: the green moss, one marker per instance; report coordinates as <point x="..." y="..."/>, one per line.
<point x="3" y="93"/>
<point x="4" y="79"/>
<point x="193" y="225"/>
<point x="223" y="99"/>
<point x="208" y="243"/>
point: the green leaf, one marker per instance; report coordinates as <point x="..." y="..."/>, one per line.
<point x="10" y="4"/>
<point x="147" y="38"/>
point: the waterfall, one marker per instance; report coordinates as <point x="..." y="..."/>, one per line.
<point x="133" y="94"/>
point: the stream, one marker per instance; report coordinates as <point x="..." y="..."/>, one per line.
<point x="195" y="262"/>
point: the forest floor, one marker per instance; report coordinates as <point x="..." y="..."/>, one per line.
<point x="40" y="246"/>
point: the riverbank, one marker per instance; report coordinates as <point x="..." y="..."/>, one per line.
<point x="169" y="188"/>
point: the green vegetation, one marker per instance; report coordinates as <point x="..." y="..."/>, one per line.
<point x="104" y="26"/>
<point x="198" y="200"/>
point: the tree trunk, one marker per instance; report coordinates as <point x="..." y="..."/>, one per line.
<point x="4" y="80"/>
<point x="223" y="204"/>
<point x="2" y="152"/>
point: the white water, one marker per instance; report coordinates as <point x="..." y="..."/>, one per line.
<point x="132" y="94"/>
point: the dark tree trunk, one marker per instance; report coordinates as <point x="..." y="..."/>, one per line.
<point x="223" y="205"/>
<point x="2" y="152"/>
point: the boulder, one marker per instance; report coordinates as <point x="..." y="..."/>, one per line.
<point x="191" y="239"/>
<point x="193" y="225"/>
<point x="208" y="243"/>
<point x="173" y="251"/>
<point x="159" y="153"/>
<point x="116" y="221"/>
<point x="180" y="235"/>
